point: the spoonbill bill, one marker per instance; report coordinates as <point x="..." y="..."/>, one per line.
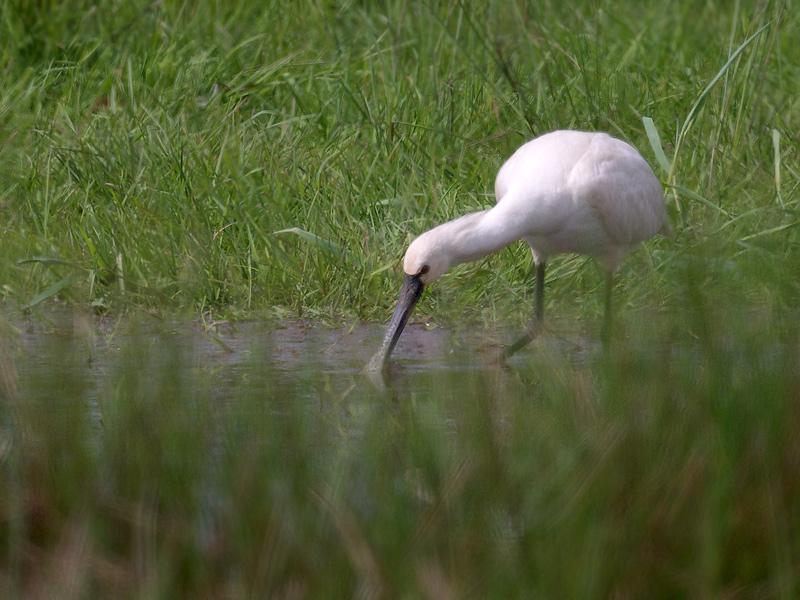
<point x="562" y="192"/>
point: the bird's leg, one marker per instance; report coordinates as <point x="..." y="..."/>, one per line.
<point x="608" y="318"/>
<point x="535" y="325"/>
<point x="539" y="293"/>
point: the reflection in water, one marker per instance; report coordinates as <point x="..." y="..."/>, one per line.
<point x="287" y="363"/>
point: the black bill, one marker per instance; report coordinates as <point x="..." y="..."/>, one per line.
<point x="410" y="293"/>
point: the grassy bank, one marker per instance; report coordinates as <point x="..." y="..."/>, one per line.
<point x="149" y="152"/>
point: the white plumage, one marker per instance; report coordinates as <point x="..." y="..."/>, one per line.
<point x="563" y="192"/>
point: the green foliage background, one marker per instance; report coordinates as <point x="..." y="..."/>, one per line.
<point x="157" y="147"/>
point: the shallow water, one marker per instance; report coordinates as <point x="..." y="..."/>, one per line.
<point x="274" y="373"/>
<point x="292" y="351"/>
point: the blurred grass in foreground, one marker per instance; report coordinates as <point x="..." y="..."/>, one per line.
<point x="666" y="467"/>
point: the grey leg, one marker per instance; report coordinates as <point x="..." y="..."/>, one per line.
<point x="608" y="318"/>
<point x="538" y="315"/>
<point x="539" y="291"/>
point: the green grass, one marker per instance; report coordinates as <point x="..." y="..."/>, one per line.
<point x="144" y="467"/>
<point x="157" y="148"/>
<point x="255" y="159"/>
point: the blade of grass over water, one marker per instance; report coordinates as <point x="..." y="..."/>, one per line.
<point x="50" y="291"/>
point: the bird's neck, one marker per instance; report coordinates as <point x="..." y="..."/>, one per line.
<point x="476" y="235"/>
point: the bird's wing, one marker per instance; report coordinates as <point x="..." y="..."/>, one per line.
<point x="618" y="184"/>
<point x="502" y="182"/>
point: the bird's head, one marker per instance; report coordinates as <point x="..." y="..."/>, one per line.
<point x="428" y="257"/>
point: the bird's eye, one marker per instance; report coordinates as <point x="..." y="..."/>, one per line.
<point x="424" y="269"/>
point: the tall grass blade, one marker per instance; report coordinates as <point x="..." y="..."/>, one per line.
<point x="313" y="239"/>
<point x="655" y="144"/>
<point x="47" y="260"/>
<point x="693" y="112"/>
<point x="769" y="231"/>
<point x="684" y="191"/>
<point x="776" y="152"/>
<point x="49" y="292"/>
<point x="687" y="123"/>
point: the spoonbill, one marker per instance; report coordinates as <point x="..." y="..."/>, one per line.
<point x="562" y="192"/>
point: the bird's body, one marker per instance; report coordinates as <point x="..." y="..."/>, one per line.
<point x="587" y="193"/>
<point x="563" y="192"/>
<point x="566" y="191"/>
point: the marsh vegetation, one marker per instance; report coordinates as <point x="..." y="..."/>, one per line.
<point x="182" y="183"/>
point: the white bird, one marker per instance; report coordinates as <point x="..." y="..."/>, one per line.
<point x="563" y="192"/>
